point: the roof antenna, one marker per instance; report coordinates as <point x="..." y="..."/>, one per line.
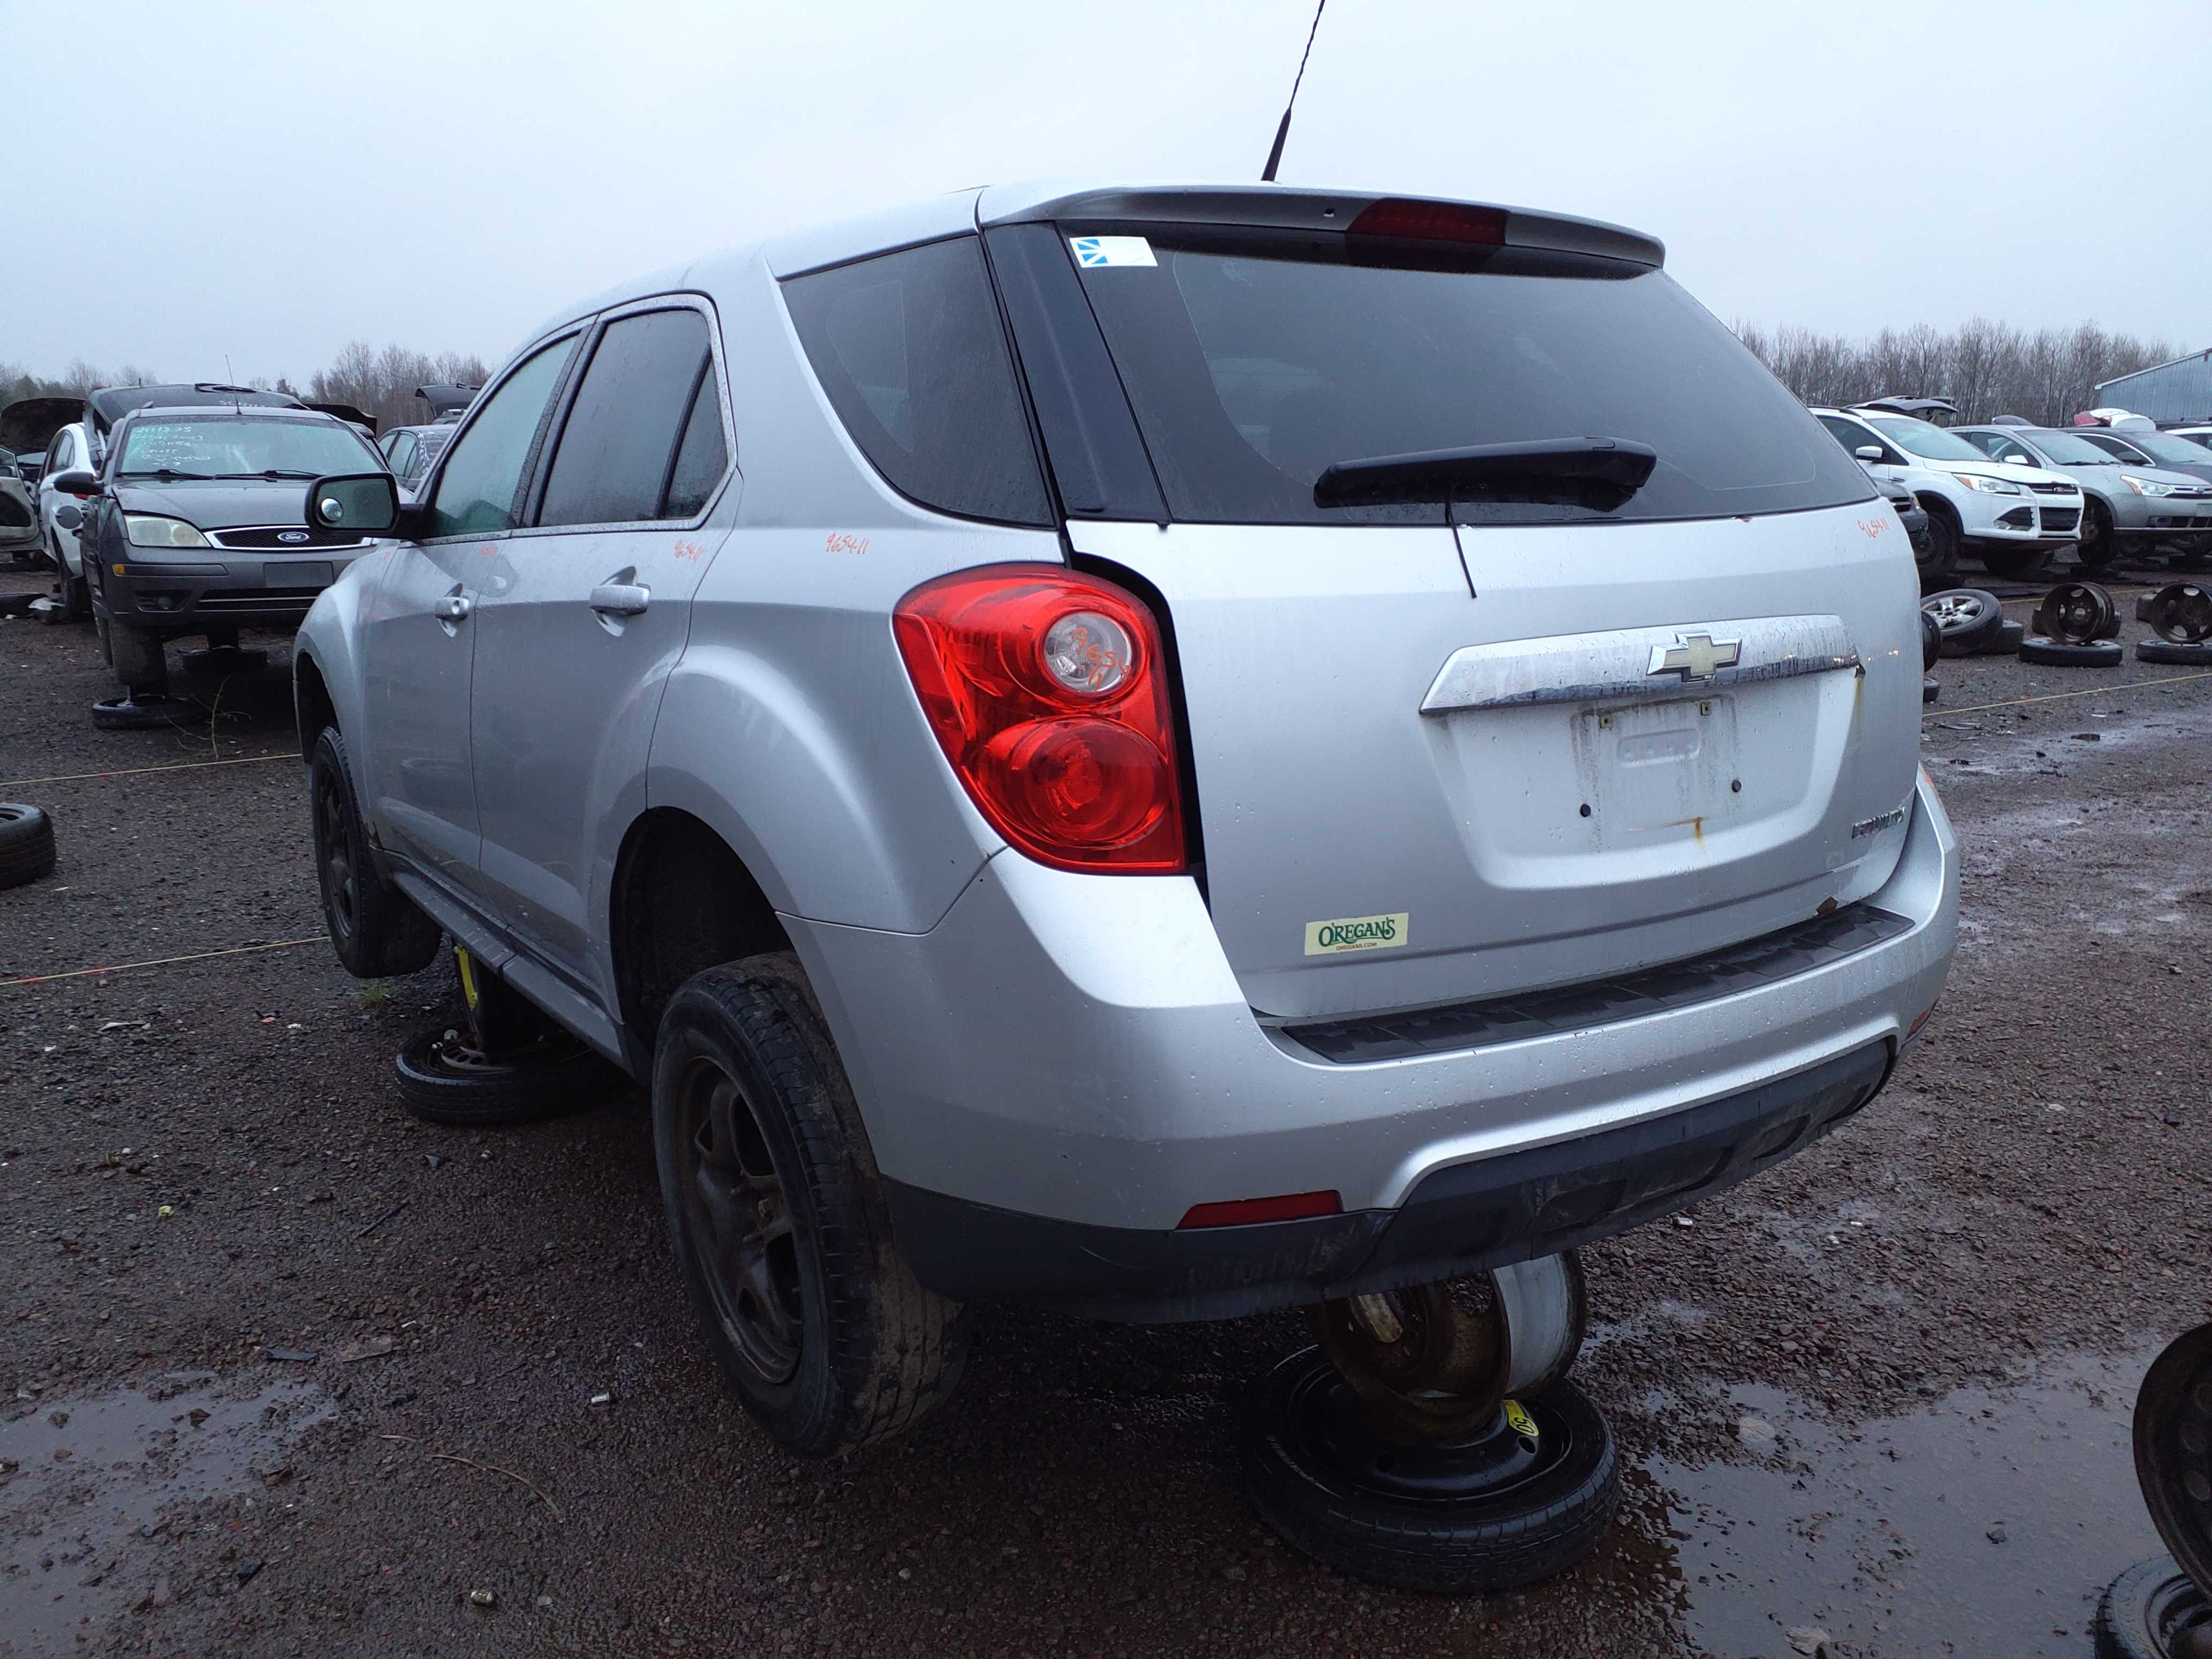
<point x="1275" y="155"/>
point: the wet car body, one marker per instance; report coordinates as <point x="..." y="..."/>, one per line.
<point x="235" y="552"/>
<point x="2141" y="507"/>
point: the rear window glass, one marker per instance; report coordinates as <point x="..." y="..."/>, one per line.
<point x="1256" y="360"/>
<point x="910" y="348"/>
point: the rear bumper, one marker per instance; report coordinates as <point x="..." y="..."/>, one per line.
<point x="1066" y="1065"/>
<point x="1503" y="1209"/>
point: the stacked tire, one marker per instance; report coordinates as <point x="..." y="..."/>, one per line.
<point x="27" y="844"/>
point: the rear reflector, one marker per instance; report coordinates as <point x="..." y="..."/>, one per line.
<point x="1432" y="221"/>
<point x="1292" y="1207"/>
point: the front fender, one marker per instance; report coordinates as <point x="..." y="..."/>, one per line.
<point x="329" y="639"/>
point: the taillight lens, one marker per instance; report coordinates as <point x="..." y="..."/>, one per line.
<point x="1046" y="689"/>
<point x="1431" y="222"/>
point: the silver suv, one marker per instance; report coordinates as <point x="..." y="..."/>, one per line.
<point x="1153" y="752"/>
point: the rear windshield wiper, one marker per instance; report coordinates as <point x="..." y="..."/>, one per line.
<point x="168" y="472"/>
<point x="273" y="472"/>
<point x="1598" y="473"/>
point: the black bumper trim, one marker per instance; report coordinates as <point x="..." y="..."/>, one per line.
<point x="1497" y="1210"/>
<point x="1745" y="967"/>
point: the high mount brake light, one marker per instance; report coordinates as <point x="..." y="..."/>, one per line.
<point x="1046" y="690"/>
<point x="1431" y="222"/>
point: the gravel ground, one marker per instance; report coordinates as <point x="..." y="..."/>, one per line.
<point x="204" y="1167"/>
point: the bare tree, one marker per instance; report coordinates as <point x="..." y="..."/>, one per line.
<point x="383" y="382"/>
<point x="1986" y="368"/>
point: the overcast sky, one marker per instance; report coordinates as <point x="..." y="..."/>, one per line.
<point x="271" y="180"/>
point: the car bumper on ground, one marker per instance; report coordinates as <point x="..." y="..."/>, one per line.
<point x="1073" y="1068"/>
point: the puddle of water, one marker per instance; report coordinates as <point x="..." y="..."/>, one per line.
<point x="1880" y="1535"/>
<point x="74" y="1494"/>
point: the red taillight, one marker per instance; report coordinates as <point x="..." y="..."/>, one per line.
<point x="1432" y="221"/>
<point x="1237" y="1212"/>
<point x="1045" y="687"/>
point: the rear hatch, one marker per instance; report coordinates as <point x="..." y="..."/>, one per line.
<point x="1495" y="719"/>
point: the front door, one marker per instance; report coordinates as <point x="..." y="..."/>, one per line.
<point x="418" y="635"/>
<point x="575" y="640"/>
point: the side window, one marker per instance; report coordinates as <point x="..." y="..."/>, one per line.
<point x="910" y="351"/>
<point x="1851" y="435"/>
<point x="702" y="457"/>
<point x="391" y="441"/>
<point x="401" y="454"/>
<point x="621" y="440"/>
<point x="476" y="490"/>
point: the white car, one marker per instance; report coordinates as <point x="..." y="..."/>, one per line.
<point x="2011" y="517"/>
<point x="59" y="515"/>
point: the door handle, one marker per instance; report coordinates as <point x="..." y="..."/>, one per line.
<point x="621" y="598"/>
<point x="451" y="607"/>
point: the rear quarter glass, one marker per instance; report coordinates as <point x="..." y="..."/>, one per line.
<point x="1255" y="360"/>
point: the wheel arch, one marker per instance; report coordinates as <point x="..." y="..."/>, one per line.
<point x="682" y="900"/>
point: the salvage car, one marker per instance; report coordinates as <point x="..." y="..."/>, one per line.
<point x="192" y="525"/>
<point x="1154" y="753"/>
<point x="409" y="450"/>
<point x="2126" y="508"/>
<point x="2012" y="518"/>
<point x="19" y="514"/>
<point x="2145" y="445"/>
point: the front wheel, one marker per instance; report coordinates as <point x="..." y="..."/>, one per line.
<point x="2097" y="549"/>
<point x="1936" y="553"/>
<point x="377" y="930"/>
<point x="75" y="592"/>
<point x="778" y="1220"/>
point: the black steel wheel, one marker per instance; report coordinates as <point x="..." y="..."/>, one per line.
<point x="377" y="930"/>
<point x="2180" y="612"/>
<point x="2060" y="653"/>
<point x="779" y="1220"/>
<point x="1965" y="618"/>
<point x="2077" y="613"/>
<point x="2153" y="1611"/>
<point x="1525" y="1499"/>
<point x="26" y="843"/>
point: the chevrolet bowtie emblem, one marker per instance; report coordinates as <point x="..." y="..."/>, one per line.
<point x="1696" y="656"/>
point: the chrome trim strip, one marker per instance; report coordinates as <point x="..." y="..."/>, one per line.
<point x="1618" y="666"/>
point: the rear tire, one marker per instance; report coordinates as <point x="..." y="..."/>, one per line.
<point x="1967" y="618"/>
<point x="377" y="930"/>
<point x="27" y="844"/>
<point x="777" y="1216"/>
<point x="2150" y="1612"/>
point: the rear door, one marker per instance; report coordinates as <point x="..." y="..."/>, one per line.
<point x="582" y="615"/>
<point x="1535" y="734"/>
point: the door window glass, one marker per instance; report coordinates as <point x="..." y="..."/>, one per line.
<point x="401" y="453"/>
<point x="910" y="350"/>
<point x="702" y="457"/>
<point x="619" y="442"/>
<point x="1851" y="435"/>
<point x="476" y="490"/>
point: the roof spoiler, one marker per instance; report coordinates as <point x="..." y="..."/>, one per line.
<point x="445" y="400"/>
<point x="1274" y="207"/>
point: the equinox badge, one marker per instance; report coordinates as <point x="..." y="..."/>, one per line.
<point x="1696" y="658"/>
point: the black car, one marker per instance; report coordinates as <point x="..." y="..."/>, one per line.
<point x="194" y="522"/>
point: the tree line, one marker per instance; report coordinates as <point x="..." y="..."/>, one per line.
<point x="380" y="382"/>
<point x="1986" y="368"/>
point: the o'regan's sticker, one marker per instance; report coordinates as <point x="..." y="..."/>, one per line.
<point x="1325" y="939"/>
<point x="1517" y="1417"/>
<point x="1092" y="252"/>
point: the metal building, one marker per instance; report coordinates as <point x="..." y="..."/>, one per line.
<point x="2169" y="393"/>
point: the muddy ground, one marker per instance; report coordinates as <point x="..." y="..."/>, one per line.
<point x="1877" y="1399"/>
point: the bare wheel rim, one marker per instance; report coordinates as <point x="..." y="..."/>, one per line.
<point x="739" y="1226"/>
<point x="339" y="877"/>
